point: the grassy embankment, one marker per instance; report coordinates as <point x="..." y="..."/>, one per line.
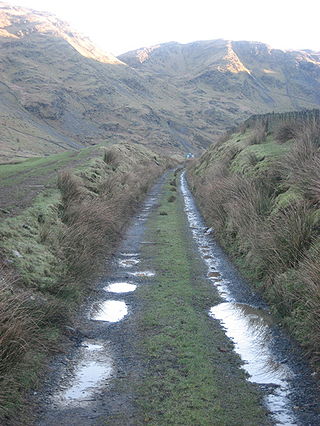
<point x="260" y="189"/>
<point x="51" y="254"/>
<point x="22" y="181"/>
<point x="192" y="376"/>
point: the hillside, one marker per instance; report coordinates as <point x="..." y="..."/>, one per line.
<point x="58" y="91"/>
<point x="259" y="187"/>
<point x="224" y="81"/>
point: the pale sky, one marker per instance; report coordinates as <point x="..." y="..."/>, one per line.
<point x="121" y="25"/>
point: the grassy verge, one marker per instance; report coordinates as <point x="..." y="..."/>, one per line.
<point x="260" y="190"/>
<point x="192" y="376"/>
<point x="50" y="256"/>
<point x="22" y="182"/>
<point x="17" y="172"/>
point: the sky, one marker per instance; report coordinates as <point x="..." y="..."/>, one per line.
<point x="121" y="25"/>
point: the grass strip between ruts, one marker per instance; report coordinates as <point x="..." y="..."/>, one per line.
<point x="188" y="379"/>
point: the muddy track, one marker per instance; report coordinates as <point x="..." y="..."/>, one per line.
<point x="72" y="395"/>
<point x="98" y="381"/>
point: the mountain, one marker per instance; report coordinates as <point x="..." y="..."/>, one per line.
<point x="58" y="91"/>
<point x="225" y="81"/>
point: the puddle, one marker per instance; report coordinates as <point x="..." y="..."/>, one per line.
<point x="92" y="346"/>
<point x="129" y="254"/>
<point x="120" y="287"/>
<point x="127" y="263"/>
<point x="249" y="329"/>
<point x="88" y="376"/>
<point x="110" y="311"/>
<point x="143" y="274"/>
<point x="91" y="372"/>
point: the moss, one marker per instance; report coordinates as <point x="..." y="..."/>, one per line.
<point x="265" y="154"/>
<point x="284" y="200"/>
<point x="22" y="241"/>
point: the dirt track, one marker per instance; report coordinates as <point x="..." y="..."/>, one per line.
<point x="116" y="374"/>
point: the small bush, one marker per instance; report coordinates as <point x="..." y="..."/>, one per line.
<point x="92" y="231"/>
<point x="258" y="135"/>
<point x="69" y="186"/>
<point x="309" y="277"/>
<point x="309" y="133"/>
<point x="301" y="169"/>
<point x="111" y="157"/>
<point x="171" y="199"/>
<point x="286" y="131"/>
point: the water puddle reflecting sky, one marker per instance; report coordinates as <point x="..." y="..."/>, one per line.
<point x="143" y="274"/>
<point x="249" y="328"/>
<point x="120" y="287"/>
<point x="128" y="263"/>
<point x="91" y="372"/>
<point x="110" y="311"/>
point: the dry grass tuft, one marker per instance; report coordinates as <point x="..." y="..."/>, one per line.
<point x="17" y="328"/>
<point x="258" y="135"/>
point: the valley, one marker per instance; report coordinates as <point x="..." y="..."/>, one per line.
<point x="172" y="97"/>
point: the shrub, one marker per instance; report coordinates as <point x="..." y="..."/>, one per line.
<point x="286" y="131"/>
<point x="111" y="157"/>
<point x="310" y="133"/>
<point x="69" y="186"/>
<point x="285" y="238"/>
<point x="258" y="134"/>
<point x="309" y="277"/>
<point x="91" y="232"/>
